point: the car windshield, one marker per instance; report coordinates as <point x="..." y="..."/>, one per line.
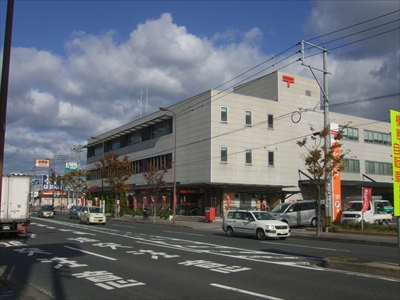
<point x="263" y="216"/>
<point x="357" y="206"/>
<point x="47" y="208"/>
<point x="95" y="210"/>
<point x="280" y="208"/>
<point x="387" y="204"/>
<point x="78" y="207"/>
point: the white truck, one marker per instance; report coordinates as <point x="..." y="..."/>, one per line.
<point x="14" y="206"/>
<point x="352" y="212"/>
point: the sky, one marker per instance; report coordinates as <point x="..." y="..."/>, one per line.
<point x="81" y="68"/>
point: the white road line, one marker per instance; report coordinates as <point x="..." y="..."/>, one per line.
<point x="301" y="246"/>
<point x="91" y="253"/>
<point x="183" y="233"/>
<point x="244" y="291"/>
<point x="123" y="226"/>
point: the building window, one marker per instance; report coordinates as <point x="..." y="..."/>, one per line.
<point x="248" y="118"/>
<point x="249" y="157"/>
<point x="349" y="133"/>
<point x="308" y="93"/>
<point x="270" y="158"/>
<point x="224" y="154"/>
<point x="116" y="144"/>
<point x="350" y="165"/>
<point x="377" y="137"/>
<point x="270" y="121"/>
<point x="224" y="113"/>
<point x="135" y="137"/>
<point x="379" y="168"/>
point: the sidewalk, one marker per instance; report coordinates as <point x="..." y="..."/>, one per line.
<point x="340" y="263"/>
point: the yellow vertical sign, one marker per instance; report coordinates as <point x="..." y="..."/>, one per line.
<point x="395" y="128"/>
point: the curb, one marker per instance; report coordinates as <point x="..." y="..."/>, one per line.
<point x="344" y="240"/>
<point x="363" y="266"/>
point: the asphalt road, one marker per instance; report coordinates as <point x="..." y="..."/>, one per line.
<point x="66" y="260"/>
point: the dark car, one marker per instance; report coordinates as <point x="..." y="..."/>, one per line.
<point x="46" y="211"/>
<point x="74" y="211"/>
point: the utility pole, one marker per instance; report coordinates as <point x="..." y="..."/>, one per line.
<point x="78" y="149"/>
<point x="327" y="139"/>
<point x="4" y="84"/>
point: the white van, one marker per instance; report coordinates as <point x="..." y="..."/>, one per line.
<point x="299" y="213"/>
<point x="260" y="224"/>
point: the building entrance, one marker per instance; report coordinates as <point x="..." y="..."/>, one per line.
<point x="191" y="204"/>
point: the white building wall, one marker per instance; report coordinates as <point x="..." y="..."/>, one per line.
<point x="281" y="139"/>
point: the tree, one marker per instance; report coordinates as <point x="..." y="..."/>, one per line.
<point x="322" y="162"/>
<point x="76" y="180"/>
<point x="116" y="173"/>
<point x="155" y="179"/>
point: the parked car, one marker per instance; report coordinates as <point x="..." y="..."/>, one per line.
<point x="92" y="214"/>
<point x="46" y="211"/>
<point x="299" y="213"/>
<point x="384" y="206"/>
<point x="260" y="224"/>
<point x="74" y="211"/>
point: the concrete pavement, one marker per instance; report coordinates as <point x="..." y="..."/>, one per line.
<point x="10" y="291"/>
<point x="340" y="263"/>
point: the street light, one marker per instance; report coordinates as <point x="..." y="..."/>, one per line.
<point x="174" y="201"/>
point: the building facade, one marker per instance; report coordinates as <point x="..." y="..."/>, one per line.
<point x="239" y="149"/>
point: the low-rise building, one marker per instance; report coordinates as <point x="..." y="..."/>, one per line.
<point x="238" y="149"/>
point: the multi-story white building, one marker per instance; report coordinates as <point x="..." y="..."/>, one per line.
<point x="240" y="147"/>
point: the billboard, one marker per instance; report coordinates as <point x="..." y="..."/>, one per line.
<point x="71" y="166"/>
<point x="395" y="128"/>
<point x="42" y="163"/>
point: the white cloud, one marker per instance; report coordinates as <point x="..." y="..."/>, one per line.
<point x="59" y="101"/>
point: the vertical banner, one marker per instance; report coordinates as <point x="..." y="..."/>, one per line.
<point x="395" y="128"/>
<point x="228" y="201"/>
<point x="366" y="196"/>
<point x="335" y="182"/>
<point x="144" y="202"/>
<point x="135" y="203"/>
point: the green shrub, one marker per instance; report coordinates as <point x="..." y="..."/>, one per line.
<point x="367" y="227"/>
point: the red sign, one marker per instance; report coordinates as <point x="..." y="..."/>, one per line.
<point x="366" y="194"/>
<point x="288" y="79"/>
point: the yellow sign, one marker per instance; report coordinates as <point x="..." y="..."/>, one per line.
<point x="395" y="127"/>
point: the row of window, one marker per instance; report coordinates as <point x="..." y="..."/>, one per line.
<point x="248" y="156"/>
<point x="143" y="134"/>
<point x="375" y="137"/>
<point x="248" y="117"/>
<point x="140" y="166"/>
<point x="371" y="167"/>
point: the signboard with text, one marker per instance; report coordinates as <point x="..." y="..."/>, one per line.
<point x="395" y="128"/>
<point x="71" y="166"/>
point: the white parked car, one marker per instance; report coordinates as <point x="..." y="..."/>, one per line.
<point x="260" y="224"/>
<point x="92" y="214"/>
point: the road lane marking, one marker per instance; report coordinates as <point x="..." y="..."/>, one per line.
<point x="301" y="246"/>
<point x="183" y="233"/>
<point x="123" y="226"/>
<point x="91" y="253"/>
<point x="244" y="291"/>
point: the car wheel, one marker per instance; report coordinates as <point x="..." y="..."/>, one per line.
<point x="384" y="223"/>
<point x="314" y="222"/>
<point x="230" y="232"/>
<point x="88" y="222"/>
<point x="282" y="238"/>
<point x="260" y="234"/>
<point x="80" y="221"/>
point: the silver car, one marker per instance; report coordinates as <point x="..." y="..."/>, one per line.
<point x="74" y="211"/>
